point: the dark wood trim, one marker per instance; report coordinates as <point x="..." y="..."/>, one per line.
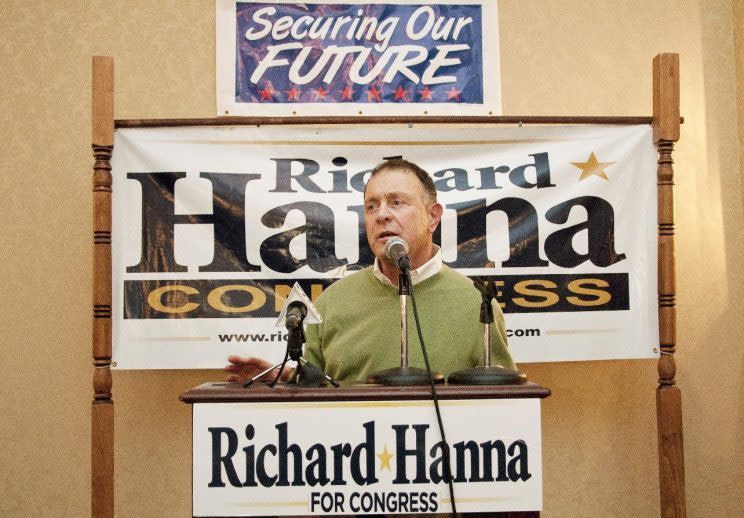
<point x="259" y="392"/>
<point x="274" y="121"/>
<point x="668" y="394"/>
<point x="102" y="415"/>
<point x="665" y="123"/>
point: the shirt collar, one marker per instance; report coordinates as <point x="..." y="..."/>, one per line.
<point x="423" y="272"/>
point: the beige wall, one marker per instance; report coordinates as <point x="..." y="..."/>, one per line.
<point x="565" y="57"/>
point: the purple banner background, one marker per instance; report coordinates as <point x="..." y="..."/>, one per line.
<point x="275" y="87"/>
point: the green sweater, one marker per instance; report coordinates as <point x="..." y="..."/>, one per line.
<point x="360" y="332"/>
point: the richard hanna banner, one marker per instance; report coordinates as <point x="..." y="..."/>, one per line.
<point x="213" y="226"/>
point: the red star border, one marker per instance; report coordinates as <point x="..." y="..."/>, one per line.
<point x="453" y="93"/>
<point x="400" y="93"/>
<point x="347" y="93"/>
<point x="321" y="93"/>
<point x="374" y="94"/>
<point x="267" y="94"/>
<point x="293" y="94"/>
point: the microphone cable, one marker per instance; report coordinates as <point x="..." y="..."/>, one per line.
<point x="446" y="449"/>
<point x="281" y="369"/>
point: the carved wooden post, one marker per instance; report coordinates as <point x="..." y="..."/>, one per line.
<point x="668" y="395"/>
<point x="102" y="429"/>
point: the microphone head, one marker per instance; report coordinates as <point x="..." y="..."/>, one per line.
<point x="298" y="307"/>
<point x="395" y="248"/>
<point x="296" y="312"/>
<point x="307" y="309"/>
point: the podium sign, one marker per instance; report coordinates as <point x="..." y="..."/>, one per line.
<point x="377" y="457"/>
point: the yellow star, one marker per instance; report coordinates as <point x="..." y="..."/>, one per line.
<point x="385" y="457"/>
<point x="592" y="167"/>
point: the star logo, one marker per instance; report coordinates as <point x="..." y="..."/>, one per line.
<point x="426" y="94"/>
<point x="293" y="94"/>
<point x="453" y="93"/>
<point x="400" y="93"/>
<point x="321" y="93"/>
<point x="347" y="93"/>
<point x="385" y="458"/>
<point x="267" y="94"/>
<point x="373" y="94"/>
<point x="592" y="167"/>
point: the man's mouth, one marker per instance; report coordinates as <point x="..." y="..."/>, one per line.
<point x="386" y="234"/>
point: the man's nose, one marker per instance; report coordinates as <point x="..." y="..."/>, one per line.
<point x="383" y="212"/>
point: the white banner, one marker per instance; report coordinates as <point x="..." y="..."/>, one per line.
<point x="371" y="457"/>
<point x="212" y="227"/>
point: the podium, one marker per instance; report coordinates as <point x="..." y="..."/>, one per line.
<point x="365" y="449"/>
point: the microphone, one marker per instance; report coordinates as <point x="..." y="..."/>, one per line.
<point x="296" y="313"/>
<point x="297" y="309"/>
<point x="396" y="249"/>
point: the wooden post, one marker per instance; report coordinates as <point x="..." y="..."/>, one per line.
<point x="102" y="429"/>
<point x="668" y="395"/>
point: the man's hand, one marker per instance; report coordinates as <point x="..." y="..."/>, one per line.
<point x="242" y="368"/>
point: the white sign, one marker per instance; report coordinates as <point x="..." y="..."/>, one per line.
<point x="367" y="457"/>
<point x="213" y="226"/>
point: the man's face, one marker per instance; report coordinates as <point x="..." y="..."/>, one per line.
<point x="394" y="205"/>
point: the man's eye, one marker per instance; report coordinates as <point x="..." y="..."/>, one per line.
<point x="397" y="202"/>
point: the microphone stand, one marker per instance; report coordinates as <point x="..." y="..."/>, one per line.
<point x="404" y="375"/>
<point x="487" y="374"/>
<point x="305" y="374"/>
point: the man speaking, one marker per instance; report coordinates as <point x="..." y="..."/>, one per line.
<point x="360" y="332"/>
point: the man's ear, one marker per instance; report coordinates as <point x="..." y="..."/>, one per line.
<point x="435" y="215"/>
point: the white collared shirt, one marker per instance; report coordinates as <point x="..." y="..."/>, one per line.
<point x="423" y="272"/>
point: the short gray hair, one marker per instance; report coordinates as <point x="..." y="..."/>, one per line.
<point x="430" y="190"/>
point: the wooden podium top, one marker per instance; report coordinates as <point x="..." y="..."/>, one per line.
<point x="260" y="392"/>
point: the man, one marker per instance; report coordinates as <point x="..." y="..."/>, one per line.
<point x="360" y="332"/>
